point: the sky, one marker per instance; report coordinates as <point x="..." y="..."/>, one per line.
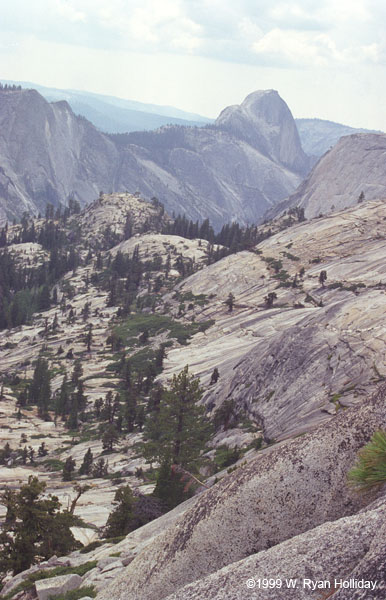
<point x="326" y="58"/>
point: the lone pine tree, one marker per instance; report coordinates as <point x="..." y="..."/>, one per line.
<point x="176" y="434"/>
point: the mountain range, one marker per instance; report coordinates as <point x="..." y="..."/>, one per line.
<point x="248" y="160"/>
<point x="247" y="165"/>
<point x="116" y="115"/>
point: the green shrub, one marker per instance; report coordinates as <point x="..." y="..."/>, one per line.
<point x="226" y="456"/>
<point x="370" y="469"/>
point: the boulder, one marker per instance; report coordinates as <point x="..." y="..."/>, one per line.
<point x="57" y="585"/>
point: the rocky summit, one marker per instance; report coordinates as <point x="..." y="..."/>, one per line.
<point x="231" y="171"/>
<point x="273" y="335"/>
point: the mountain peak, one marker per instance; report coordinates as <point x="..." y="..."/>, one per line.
<point x="265" y="122"/>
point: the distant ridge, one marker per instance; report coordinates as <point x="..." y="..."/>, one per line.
<point x="116" y="115"/>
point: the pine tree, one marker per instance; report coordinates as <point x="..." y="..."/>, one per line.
<point x="110" y="437"/>
<point x="100" y="468"/>
<point x="88" y="338"/>
<point x="42" y="450"/>
<point x="215" y="376"/>
<point x="77" y="372"/>
<point x="85" y="467"/>
<point x="68" y="469"/>
<point x="132" y="511"/>
<point x="63" y="400"/>
<point x="34" y="528"/>
<point x="178" y="433"/>
<point x="230" y="301"/>
<point x="322" y="277"/>
<point x="40" y="388"/>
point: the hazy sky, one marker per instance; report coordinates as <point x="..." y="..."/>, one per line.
<point x="326" y="58"/>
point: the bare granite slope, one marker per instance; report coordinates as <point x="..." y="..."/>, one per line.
<point x="318" y="349"/>
<point x="287" y="490"/>
<point x="264" y="120"/>
<point x="306" y="566"/>
<point x="354" y="165"/>
<point x="47" y="154"/>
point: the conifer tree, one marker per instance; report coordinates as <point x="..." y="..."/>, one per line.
<point x="68" y="469"/>
<point x="34" y="528"/>
<point x="110" y="437"/>
<point x="230" y="301"/>
<point x="40" y="388"/>
<point x="85" y="467"/>
<point x="178" y="433"/>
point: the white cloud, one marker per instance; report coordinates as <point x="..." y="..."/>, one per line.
<point x="298" y="48"/>
<point x="67" y="11"/>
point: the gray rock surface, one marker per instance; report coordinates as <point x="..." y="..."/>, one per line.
<point x="47" y="153"/>
<point x="265" y="122"/>
<point x="318" y="135"/>
<point x="355" y="164"/>
<point x="316" y="558"/>
<point x="284" y="492"/>
<point x="370" y="567"/>
<point x="57" y="585"/>
<point x="290" y="369"/>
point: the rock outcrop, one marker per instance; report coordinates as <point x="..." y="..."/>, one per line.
<point x="265" y="122"/>
<point x="284" y="492"/>
<point x="48" y="154"/>
<point x="46" y="588"/>
<point x="354" y="165"/>
<point x="306" y="566"/>
<point x="318" y="349"/>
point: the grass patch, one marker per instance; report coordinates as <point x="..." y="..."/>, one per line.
<point x="226" y="456"/>
<point x="290" y="256"/>
<point x="82" y="592"/>
<point x="54" y="464"/>
<point x="200" y="299"/>
<point x="136" y="323"/>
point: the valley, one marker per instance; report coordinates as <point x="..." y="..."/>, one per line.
<point x="300" y="358"/>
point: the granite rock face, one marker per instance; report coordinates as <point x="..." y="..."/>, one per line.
<point x="318" y="349"/>
<point x="322" y="557"/>
<point x="46" y="588"/>
<point x="354" y="165"/>
<point x="265" y="122"/>
<point x="286" y="491"/>
<point x="48" y="154"/>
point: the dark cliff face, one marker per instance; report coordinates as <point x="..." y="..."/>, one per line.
<point x="235" y="170"/>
